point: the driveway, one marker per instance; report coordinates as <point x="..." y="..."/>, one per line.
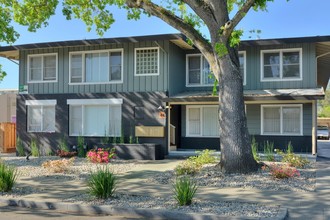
<point x="323" y="148"/>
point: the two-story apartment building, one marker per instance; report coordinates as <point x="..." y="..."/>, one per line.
<point x="117" y="86"/>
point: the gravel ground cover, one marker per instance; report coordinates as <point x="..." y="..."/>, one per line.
<point x="209" y="176"/>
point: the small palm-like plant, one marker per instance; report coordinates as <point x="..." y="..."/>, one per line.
<point x="102" y="183"/>
<point x="184" y="190"/>
<point x="8" y="177"/>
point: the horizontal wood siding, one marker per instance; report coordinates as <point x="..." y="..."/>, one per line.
<point x="253" y="68"/>
<point x="130" y="83"/>
<point x="253" y="114"/>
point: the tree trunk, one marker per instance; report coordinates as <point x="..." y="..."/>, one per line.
<point x="235" y="145"/>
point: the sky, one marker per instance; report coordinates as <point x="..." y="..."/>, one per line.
<point x="295" y="18"/>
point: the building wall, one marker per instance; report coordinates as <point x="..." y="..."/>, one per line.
<point x="130" y="83"/>
<point x="148" y="101"/>
<point x="7" y="107"/>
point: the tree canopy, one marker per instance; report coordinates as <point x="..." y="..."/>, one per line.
<point x="221" y="17"/>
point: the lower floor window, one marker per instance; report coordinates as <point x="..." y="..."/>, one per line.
<point x="41" y="115"/>
<point x="202" y="121"/>
<point x="92" y="119"/>
<point x="281" y="119"/>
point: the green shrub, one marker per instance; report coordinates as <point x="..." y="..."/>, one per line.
<point x="254" y="147"/>
<point x="293" y="159"/>
<point x="102" y="183"/>
<point x="290" y="148"/>
<point x="184" y="190"/>
<point x="34" y="148"/>
<point x="187" y="167"/>
<point x="269" y="151"/>
<point x="8" y="177"/>
<point x="204" y="157"/>
<point x="63" y="145"/>
<point x="80" y="147"/>
<point x="20" y="148"/>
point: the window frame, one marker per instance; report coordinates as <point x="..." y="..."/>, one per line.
<point x="93" y="102"/>
<point x="201" y="109"/>
<point x="281" y="51"/>
<point x="281" y="120"/>
<point x="201" y="69"/>
<point x="42" y="55"/>
<point x="83" y="67"/>
<point x="41" y="104"/>
<point x="244" y="66"/>
<point x="158" y="61"/>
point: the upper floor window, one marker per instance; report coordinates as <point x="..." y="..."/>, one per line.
<point x="281" y="65"/>
<point x="104" y="66"/>
<point x="147" y="61"/>
<point x="41" y="115"/>
<point x="242" y="62"/>
<point x="198" y="71"/>
<point x="281" y="119"/>
<point x="42" y="68"/>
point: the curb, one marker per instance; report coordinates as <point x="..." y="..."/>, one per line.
<point x="127" y="212"/>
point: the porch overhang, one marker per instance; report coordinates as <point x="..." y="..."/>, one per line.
<point x="252" y="95"/>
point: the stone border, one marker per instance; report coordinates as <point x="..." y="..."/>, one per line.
<point x="127" y="212"/>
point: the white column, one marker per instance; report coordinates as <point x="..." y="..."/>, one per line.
<point x="314" y="127"/>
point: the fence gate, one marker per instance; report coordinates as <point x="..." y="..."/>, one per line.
<point x="7" y="137"/>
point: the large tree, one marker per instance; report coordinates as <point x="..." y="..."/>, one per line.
<point x="220" y="17"/>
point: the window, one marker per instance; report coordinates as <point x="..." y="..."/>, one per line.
<point x="198" y="71"/>
<point x="147" y="61"/>
<point x="202" y="121"/>
<point x="242" y="62"/>
<point x="281" y="119"/>
<point x="281" y="65"/>
<point x="41" y="115"/>
<point x="95" y="117"/>
<point x="42" y="68"/>
<point x="104" y="66"/>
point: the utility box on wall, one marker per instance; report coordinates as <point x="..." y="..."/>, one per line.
<point x="149" y="131"/>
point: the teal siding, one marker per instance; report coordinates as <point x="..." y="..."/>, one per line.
<point x="253" y="68"/>
<point x="130" y="83"/>
<point x="177" y="70"/>
<point x="253" y="114"/>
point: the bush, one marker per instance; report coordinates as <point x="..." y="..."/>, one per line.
<point x="64" y="145"/>
<point x="20" y="148"/>
<point x="187" y="167"/>
<point x="184" y="190"/>
<point x="8" y="177"/>
<point x="67" y="154"/>
<point x="102" y="183"/>
<point x="282" y="171"/>
<point x="293" y="159"/>
<point x="58" y="166"/>
<point x="34" y="149"/>
<point x="101" y="155"/>
<point x="80" y="147"/>
<point x="254" y="147"/>
<point x="269" y="151"/>
<point x="204" y="157"/>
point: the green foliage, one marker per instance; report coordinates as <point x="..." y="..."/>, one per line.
<point x="63" y="145"/>
<point x="137" y="140"/>
<point x="8" y="177"/>
<point x="3" y="74"/>
<point x="122" y="138"/>
<point x="102" y="183"/>
<point x="290" y="148"/>
<point x="235" y="38"/>
<point x="324" y="109"/>
<point x="20" y="147"/>
<point x="131" y="139"/>
<point x="291" y="158"/>
<point x="282" y="171"/>
<point x="80" y="147"/>
<point x="34" y="148"/>
<point x="254" y="146"/>
<point x="184" y="190"/>
<point x="204" y="157"/>
<point x="114" y="140"/>
<point x="221" y="49"/>
<point x="269" y="151"/>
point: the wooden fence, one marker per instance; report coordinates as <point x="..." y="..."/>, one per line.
<point x="7" y="137"/>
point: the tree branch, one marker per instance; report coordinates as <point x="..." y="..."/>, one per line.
<point x="230" y="25"/>
<point x="200" y="42"/>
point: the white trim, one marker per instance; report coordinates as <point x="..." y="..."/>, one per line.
<point x="158" y="61"/>
<point x="41" y="102"/>
<point x="111" y="101"/>
<point x="42" y="67"/>
<point x="42" y="118"/>
<point x="281" y="120"/>
<point x="201" y="110"/>
<point x="244" y="58"/>
<point x="83" y="74"/>
<point x="280" y="51"/>
<point x="201" y="69"/>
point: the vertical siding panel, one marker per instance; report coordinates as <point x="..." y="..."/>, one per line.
<point x="130" y="67"/>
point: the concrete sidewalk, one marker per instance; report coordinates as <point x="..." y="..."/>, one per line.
<point x="312" y="205"/>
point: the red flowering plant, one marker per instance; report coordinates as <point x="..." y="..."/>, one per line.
<point x="282" y="171"/>
<point x="101" y="155"/>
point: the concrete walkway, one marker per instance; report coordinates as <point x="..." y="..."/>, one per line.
<point x="307" y="205"/>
